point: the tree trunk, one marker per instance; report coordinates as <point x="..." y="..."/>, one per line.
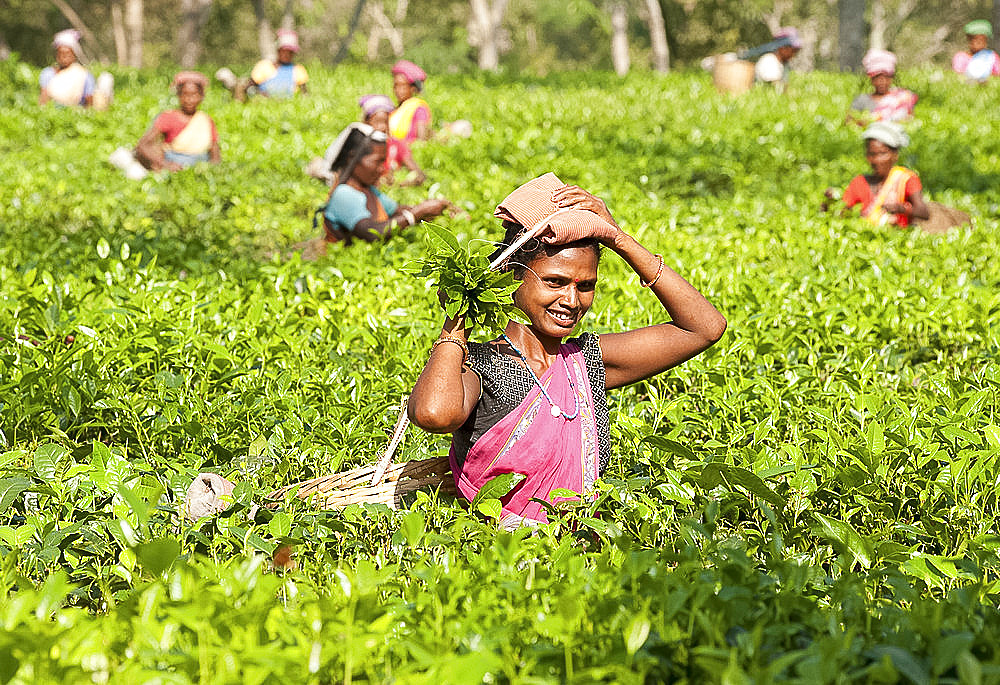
<point x="4" y="48"/>
<point x="345" y="44"/>
<point x="933" y="45"/>
<point x="118" y="30"/>
<point x="484" y="31"/>
<point x="885" y="27"/>
<point x="194" y="14"/>
<point x="383" y="29"/>
<point x="852" y="33"/>
<point x="876" y="36"/>
<point x="996" y="24"/>
<point x="288" y="16"/>
<point x="265" y="34"/>
<point x="775" y="18"/>
<point x="133" y="29"/>
<point x="658" y="36"/>
<point x="619" y="37"/>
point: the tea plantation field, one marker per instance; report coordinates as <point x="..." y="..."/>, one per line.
<point x="814" y="500"/>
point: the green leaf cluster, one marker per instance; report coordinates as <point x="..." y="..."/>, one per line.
<point x="469" y="289"/>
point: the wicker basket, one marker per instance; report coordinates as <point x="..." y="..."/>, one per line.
<point x="380" y="483"/>
<point x="732" y="75"/>
<point x="355" y="486"/>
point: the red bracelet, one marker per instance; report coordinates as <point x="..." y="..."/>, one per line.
<point x="659" y="271"/>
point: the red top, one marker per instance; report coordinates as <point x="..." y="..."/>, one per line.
<point x="172" y="122"/>
<point x="859" y="192"/>
<point x="397" y="154"/>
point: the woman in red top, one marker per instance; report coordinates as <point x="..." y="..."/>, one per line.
<point x="180" y="138"/>
<point x="890" y="194"/>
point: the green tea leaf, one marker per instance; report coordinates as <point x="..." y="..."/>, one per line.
<point x="498" y="487"/>
<point x="157" y="555"/>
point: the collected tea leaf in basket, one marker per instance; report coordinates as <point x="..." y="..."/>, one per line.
<point x="468" y="286"/>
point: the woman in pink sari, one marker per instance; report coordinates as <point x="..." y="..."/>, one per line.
<point x="885" y="103"/>
<point x="532" y="401"/>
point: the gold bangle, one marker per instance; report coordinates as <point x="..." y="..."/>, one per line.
<point x="659" y="271"/>
<point x="452" y="339"/>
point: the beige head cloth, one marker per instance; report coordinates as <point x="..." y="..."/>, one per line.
<point x="531" y="205"/>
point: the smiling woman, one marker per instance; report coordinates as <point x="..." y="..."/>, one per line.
<point x="531" y="401"/>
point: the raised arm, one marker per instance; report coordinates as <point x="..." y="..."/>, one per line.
<point x="695" y="324"/>
<point x="371" y="230"/>
<point x="447" y="391"/>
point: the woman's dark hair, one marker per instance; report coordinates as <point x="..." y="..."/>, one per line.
<point x="868" y="140"/>
<point x="518" y="262"/>
<point x="355" y="147"/>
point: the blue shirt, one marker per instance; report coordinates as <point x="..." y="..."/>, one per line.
<point x="348" y="206"/>
<point x="282" y="84"/>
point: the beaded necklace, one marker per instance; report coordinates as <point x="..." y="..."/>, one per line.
<point x="555" y="409"/>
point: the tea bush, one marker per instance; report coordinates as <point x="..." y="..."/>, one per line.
<point x="812" y="500"/>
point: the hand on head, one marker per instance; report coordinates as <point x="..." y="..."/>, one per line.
<point x="565" y="228"/>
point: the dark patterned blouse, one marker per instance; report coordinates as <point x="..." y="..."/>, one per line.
<point x="506" y="383"/>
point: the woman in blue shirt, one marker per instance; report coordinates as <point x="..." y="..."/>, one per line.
<point x="356" y="208"/>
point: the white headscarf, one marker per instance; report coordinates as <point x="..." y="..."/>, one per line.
<point x="888" y="132"/>
<point x="70" y="38"/>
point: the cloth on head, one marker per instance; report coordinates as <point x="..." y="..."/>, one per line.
<point x="791" y="35"/>
<point x="288" y="39"/>
<point x="194" y="77"/>
<point x="879" y="62"/>
<point x="70" y="38"/>
<point x="979" y="27"/>
<point x="333" y="152"/>
<point x="887" y="132"/>
<point x="370" y="104"/>
<point x="207" y="495"/>
<point x="532" y="205"/>
<point x="411" y="71"/>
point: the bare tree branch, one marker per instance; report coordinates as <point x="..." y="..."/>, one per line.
<point x="345" y="44"/>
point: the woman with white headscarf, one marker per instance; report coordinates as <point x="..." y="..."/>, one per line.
<point x="67" y="83"/>
<point x="890" y="194"/>
<point x="885" y="103"/>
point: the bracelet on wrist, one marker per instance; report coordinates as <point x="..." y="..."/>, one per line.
<point x="659" y="271"/>
<point x="452" y="339"/>
<point x="409" y="216"/>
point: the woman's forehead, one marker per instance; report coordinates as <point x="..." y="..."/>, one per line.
<point x="568" y="259"/>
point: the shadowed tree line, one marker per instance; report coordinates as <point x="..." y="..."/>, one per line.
<point x="462" y="35"/>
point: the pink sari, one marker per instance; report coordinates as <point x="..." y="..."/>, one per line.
<point x="553" y="452"/>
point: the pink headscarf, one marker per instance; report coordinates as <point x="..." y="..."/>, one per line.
<point x="879" y="62"/>
<point x="791" y="34"/>
<point x="375" y="103"/>
<point x="194" y="77"/>
<point x="411" y="71"/>
<point x="288" y="39"/>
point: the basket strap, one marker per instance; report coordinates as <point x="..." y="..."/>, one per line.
<point x="402" y="421"/>
<point x="522" y="239"/>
